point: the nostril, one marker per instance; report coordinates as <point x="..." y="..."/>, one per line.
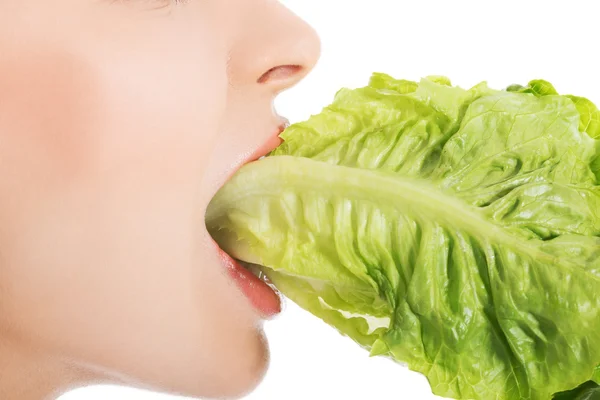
<point x="279" y="73"/>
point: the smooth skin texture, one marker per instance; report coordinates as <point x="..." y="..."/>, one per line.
<point x="119" y="120"/>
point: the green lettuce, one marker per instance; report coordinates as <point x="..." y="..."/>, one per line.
<point x="587" y="391"/>
<point x="455" y="231"/>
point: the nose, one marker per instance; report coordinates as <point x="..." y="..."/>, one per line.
<point x="277" y="49"/>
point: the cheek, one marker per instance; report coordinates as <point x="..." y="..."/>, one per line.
<point x="44" y="114"/>
<point x="90" y="117"/>
<point x="159" y="115"/>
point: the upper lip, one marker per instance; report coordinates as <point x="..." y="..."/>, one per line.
<point x="271" y="143"/>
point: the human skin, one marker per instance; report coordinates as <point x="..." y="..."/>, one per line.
<point x="119" y="120"/>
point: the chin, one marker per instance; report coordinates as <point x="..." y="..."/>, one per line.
<point x="215" y="373"/>
<point x="230" y="377"/>
<point x="249" y="370"/>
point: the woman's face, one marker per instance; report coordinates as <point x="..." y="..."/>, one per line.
<point x="119" y="120"/>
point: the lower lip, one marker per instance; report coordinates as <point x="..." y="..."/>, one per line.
<point x="263" y="297"/>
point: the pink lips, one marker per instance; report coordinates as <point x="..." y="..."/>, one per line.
<point x="272" y="143"/>
<point x="265" y="299"/>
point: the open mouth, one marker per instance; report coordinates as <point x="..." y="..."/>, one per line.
<point x="249" y="277"/>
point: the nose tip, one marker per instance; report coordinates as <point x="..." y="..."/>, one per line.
<point x="296" y="56"/>
<point x="280" y="50"/>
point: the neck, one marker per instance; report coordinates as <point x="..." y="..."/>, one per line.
<point x="29" y="374"/>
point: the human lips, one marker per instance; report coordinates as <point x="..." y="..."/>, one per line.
<point x="272" y="142"/>
<point x="257" y="289"/>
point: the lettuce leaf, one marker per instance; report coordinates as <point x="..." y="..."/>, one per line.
<point x="455" y="231"/>
<point x="587" y="391"/>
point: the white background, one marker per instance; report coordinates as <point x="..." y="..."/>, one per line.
<point x="503" y="42"/>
